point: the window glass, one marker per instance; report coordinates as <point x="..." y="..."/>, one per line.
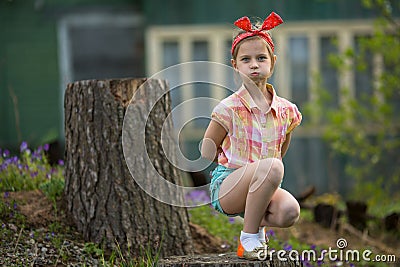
<point x="232" y="82"/>
<point x="363" y="74"/>
<point x="329" y="73"/>
<point x="299" y="60"/>
<point x="200" y="52"/>
<point x="106" y="52"/>
<point x="170" y="57"/>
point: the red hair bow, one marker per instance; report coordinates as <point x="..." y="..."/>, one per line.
<point x="244" y="23"/>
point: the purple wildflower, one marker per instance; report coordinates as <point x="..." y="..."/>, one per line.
<point x="231" y="220"/>
<point x="287" y="247"/>
<point x="198" y="197"/>
<point x="313" y="247"/>
<point x="23" y="147"/>
<point x="46" y="147"/>
<point x="15" y="205"/>
<point x="6" y="194"/>
<point x="14" y="160"/>
<point x="6" y="153"/>
<point x="60" y="162"/>
<point x="36" y="155"/>
<point x="3" y="226"/>
<point x="34" y="174"/>
<point x="271" y="233"/>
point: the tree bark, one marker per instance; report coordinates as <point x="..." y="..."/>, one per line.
<point x="102" y="198"/>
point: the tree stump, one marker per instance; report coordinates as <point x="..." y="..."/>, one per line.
<point x="101" y="197"/>
<point x="226" y="260"/>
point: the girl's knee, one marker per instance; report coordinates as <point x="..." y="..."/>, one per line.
<point x="290" y="215"/>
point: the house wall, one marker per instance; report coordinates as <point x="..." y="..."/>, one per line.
<point x="29" y="74"/>
<point x="31" y="107"/>
<point x="226" y="11"/>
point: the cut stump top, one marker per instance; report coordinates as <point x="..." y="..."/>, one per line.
<point x="223" y="259"/>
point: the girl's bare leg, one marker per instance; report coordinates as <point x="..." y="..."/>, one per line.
<point x="251" y="189"/>
<point x="283" y="210"/>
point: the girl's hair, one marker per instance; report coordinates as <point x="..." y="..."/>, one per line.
<point x="257" y="23"/>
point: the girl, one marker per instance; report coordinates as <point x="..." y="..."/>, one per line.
<point x="248" y="135"/>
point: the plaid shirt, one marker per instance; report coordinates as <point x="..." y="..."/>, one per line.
<point x="252" y="135"/>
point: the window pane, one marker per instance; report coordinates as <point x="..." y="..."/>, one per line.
<point x="105" y="52"/>
<point x="170" y="57"/>
<point x="329" y="73"/>
<point x="200" y="50"/>
<point x="363" y="74"/>
<point x="298" y="58"/>
<point x="201" y="89"/>
<point x="232" y="82"/>
<point x="199" y="73"/>
<point x="170" y="53"/>
<point x="391" y="72"/>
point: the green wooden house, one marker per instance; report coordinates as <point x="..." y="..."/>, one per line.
<point x="46" y="44"/>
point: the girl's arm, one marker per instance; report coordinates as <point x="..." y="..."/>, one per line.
<point x="212" y="140"/>
<point x="285" y="145"/>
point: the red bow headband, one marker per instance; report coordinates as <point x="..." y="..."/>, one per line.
<point x="244" y="23"/>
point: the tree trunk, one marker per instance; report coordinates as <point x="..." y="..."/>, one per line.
<point x="104" y="201"/>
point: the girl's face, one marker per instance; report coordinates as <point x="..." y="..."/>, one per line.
<point x="254" y="60"/>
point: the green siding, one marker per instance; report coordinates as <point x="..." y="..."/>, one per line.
<point x="226" y="11"/>
<point x="29" y="69"/>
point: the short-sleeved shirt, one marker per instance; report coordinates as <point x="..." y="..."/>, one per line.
<point x="251" y="134"/>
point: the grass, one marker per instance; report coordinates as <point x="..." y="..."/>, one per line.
<point x="227" y="228"/>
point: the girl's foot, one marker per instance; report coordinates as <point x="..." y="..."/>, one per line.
<point x="258" y="253"/>
<point x="250" y="247"/>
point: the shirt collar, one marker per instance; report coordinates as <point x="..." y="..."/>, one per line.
<point x="248" y="101"/>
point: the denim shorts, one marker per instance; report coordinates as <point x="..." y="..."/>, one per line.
<point x="218" y="176"/>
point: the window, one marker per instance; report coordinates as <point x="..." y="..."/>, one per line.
<point x="298" y="55"/>
<point x="364" y="76"/>
<point x="99" y="46"/>
<point x="329" y="74"/>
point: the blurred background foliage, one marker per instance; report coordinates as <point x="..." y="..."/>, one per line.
<point x="366" y="130"/>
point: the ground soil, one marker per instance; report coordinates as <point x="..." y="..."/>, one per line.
<point x="39" y="212"/>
